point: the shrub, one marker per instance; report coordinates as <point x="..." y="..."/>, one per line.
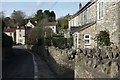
<point x="47" y="41"/>
<point x="58" y="42"/>
<point x="7" y="41"/>
<point x="102" y="38"/>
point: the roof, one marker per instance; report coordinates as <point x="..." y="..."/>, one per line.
<point x="10" y="30"/>
<point x="50" y="24"/>
<point x="20" y="27"/>
<point x="80" y="28"/>
<point x="83" y="8"/>
<point x="29" y="24"/>
<point x="13" y="29"/>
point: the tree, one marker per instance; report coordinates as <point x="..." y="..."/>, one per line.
<point x="34" y="35"/>
<point x="7" y="21"/>
<point x="7" y="42"/>
<point x="2" y="14"/>
<point x="18" y="17"/>
<point x="37" y="36"/>
<point x="102" y="38"/>
<point x="52" y="16"/>
<point x="46" y="14"/>
<point x="49" y="15"/>
<point x="39" y="15"/>
<point x="63" y="22"/>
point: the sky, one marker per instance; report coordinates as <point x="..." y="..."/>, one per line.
<point x="30" y="8"/>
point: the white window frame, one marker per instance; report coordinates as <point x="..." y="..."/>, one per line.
<point x="87" y="39"/>
<point x="98" y="10"/>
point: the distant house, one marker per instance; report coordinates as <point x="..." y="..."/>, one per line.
<point x="11" y="32"/>
<point x="29" y="24"/>
<point x="95" y="16"/>
<point x="51" y="25"/>
<point x="20" y="35"/>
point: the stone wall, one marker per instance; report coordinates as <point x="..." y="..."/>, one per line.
<point x="57" y="59"/>
<point x="97" y="63"/>
<point x="86" y="63"/>
<point x="62" y="63"/>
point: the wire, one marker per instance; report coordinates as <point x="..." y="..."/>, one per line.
<point x="53" y="5"/>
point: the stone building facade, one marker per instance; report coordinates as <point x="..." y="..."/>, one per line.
<point x="110" y="21"/>
<point x="96" y="16"/>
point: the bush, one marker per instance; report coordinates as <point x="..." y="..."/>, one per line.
<point x="102" y="38"/>
<point x="7" y="41"/>
<point x="48" y="41"/>
<point x="40" y="41"/>
<point x="58" y="42"/>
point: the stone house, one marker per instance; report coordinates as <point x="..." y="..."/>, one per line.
<point x="95" y="16"/>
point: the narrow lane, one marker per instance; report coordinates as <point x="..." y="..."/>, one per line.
<point x="43" y="70"/>
<point x="25" y="65"/>
<point x="20" y="65"/>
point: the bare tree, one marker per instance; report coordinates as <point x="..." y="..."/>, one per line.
<point x="2" y="14"/>
<point x="18" y="17"/>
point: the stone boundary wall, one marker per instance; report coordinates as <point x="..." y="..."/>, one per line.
<point x="56" y="58"/>
<point x="97" y="63"/>
<point x="88" y="63"/>
<point x="62" y="64"/>
<point x="61" y="56"/>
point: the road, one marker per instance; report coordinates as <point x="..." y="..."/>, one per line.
<point x="20" y="65"/>
<point x="24" y="64"/>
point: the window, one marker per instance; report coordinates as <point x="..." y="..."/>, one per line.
<point x="20" y="40"/>
<point x="85" y="17"/>
<point x="10" y="34"/>
<point x="20" y="30"/>
<point x="20" y="35"/>
<point x="87" y="39"/>
<point x="100" y="9"/>
<point x="87" y="36"/>
<point x="82" y="18"/>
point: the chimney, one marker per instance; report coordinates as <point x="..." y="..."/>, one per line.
<point x="80" y="6"/>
